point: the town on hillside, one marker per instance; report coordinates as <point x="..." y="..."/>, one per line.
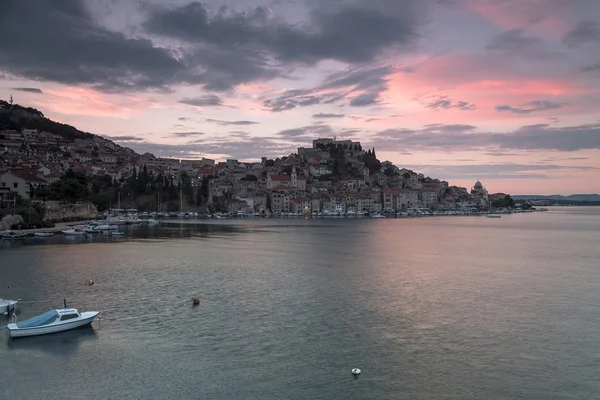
<point x="332" y="176"/>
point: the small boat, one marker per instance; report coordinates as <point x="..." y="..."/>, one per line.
<point x="13" y="235"/>
<point x="74" y="232"/>
<point x="115" y="233"/>
<point x="494" y="216"/>
<point x="378" y="215"/>
<point x="106" y="227"/>
<point x="6" y="306"/>
<point x="43" y="234"/>
<point x="53" y="321"/>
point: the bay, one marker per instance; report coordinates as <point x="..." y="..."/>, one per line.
<point x="427" y="308"/>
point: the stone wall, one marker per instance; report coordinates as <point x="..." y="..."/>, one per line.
<point x="57" y="212"/>
<point x="9" y="221"/>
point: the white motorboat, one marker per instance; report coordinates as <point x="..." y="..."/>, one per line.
<point x="53" y="321"/>
<point x="378" y="215"/>
<point x="74" y="232"/>
<point x="43" y="234"/>
<point x="6" y="306"/>
<point x="106" y="227"/>
<point x="494" y="216"/>
<point x="117" y="233"/>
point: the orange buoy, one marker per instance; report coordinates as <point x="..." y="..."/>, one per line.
<point x="196" y="301"/>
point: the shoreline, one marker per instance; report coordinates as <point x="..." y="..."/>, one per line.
<point x="59" y="227"/>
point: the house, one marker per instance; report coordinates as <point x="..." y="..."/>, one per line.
<point x="294" y="180"/>
<point x="8" y="146"/>
<point x="108" y="159"/>
<point x="301" y="205"/>
<point x="280" y="202"/>
<point x="21" y="181"/>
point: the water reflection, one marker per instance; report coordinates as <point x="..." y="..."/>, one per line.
<point x="55" y="344"/>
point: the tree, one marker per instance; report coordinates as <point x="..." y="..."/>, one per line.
<point x="69" y="189"/>
<point x="505" y="202"/>
<point x="250" y="178"/>
<point x="390" y="171"/>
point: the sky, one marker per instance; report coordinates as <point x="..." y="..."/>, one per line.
<point x="502" y="91"/>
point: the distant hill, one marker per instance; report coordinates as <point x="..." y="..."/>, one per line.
<point x="14" y="116"/>
<point x="573" y="197"/>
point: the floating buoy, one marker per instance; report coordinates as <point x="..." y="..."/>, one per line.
<point x="196" y="301"/>
<point x="355" y="371"/>
<point x="90" y="282"/>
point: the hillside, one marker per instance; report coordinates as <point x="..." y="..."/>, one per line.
<point x="16" y="117"/>
<point x="573" y="197"/>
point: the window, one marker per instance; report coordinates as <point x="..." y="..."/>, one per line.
<point x="68" y="316"/>
<point x="15" y="185"/>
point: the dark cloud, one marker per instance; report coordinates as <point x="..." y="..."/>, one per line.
<point x="349" y="32"/>
<point x="592" y="67"/>
<point x="444" y="102"/>
<point x="64" y="44"/>
<point x="450" y="128"/>
<point x="365" y="99"/>
<point x="514" y="41"/>
<point x="585" y="32"/>
<point x="186" y="134"/>
<point x="306" y="133"/>
<point x="239" y="134"/>
<point x="29" y="90"/>
<point x="461" y="138"/>
<point x="203" y="101"/>
<point x="533" y="106"/>
<point x="367" y="83"/>
<point x="494" y="171"/>
<point x="125" y="139"/>
<point x="325" y="115"/>
<point x="222" y="68"/>
<point x="226" y="123"/>
<point x="240" y="149"/>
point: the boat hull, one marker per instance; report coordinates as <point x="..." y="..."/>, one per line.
<point x="85" y="320"/>
<point x="14" y="237"/>
<point x="43" y="234"/>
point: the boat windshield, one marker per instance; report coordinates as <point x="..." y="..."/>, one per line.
<point x="40" y="320"/>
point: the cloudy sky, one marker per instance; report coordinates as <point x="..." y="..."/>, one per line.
<point x="504" y="91"/>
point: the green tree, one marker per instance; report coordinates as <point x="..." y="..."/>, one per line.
<point x="249" y="177"/>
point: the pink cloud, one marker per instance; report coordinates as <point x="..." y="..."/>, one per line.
<point x="469" y="87"/>
<point x="552" y="17"/>
<point x="87" y="102"/>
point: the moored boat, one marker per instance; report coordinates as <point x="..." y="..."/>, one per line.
<point x="53" y="321"/>
<point x="13" y="235"/>
<point x="6" y="306"/>
<point x="494" y="216"/>
<point x="43" y="234"/>
<point x="74" y="232"/>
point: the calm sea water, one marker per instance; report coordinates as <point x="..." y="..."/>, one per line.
<point x="431" y="308"/>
